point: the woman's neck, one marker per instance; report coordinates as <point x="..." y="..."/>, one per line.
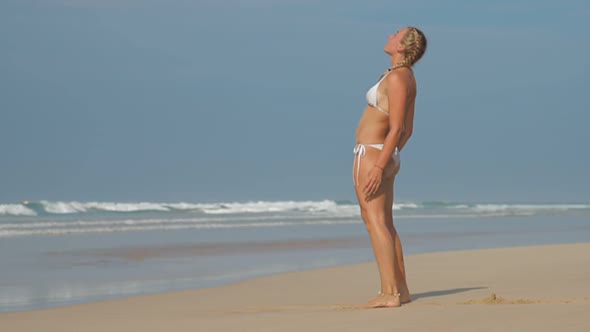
<point x="396" y="60"/>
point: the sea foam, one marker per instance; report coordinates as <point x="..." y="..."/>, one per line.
<point x="16" y="210"/>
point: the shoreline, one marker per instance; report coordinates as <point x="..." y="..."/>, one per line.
<point x="497" y="281"/>
<point x="139" y="254"/>
<point x="52" y="271"/>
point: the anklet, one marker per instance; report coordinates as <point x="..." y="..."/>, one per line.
<point x="392" y="294"/>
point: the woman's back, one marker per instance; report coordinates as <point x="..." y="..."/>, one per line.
<point x="374" y="124"/>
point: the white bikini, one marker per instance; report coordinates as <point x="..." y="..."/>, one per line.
<point x="372" y="93"/>
<point x="361" y="149"/>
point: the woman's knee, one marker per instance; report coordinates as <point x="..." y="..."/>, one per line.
<point x="374" y="221"/>
<point x="391" y="229"/>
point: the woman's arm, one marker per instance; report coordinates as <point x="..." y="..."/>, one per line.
<point x="397" y="96"/>
<point x="398" y="92"/>
<point x="408" y="127"/>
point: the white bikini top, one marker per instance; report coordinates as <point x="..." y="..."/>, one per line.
<point x="372" y="93"/>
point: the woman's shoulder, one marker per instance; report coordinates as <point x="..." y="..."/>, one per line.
<point x="400" y="77"/>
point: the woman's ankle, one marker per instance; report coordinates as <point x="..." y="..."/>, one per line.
<point x="393" y="293"/>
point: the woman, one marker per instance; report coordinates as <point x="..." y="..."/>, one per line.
<point x="382" y="133"/>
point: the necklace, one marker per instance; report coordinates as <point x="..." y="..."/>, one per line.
<point x="397" y="65"/>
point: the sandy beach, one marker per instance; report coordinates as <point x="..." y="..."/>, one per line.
<point x="537" y="288"/>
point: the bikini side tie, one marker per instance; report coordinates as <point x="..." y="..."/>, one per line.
<point x="359" y="151"/>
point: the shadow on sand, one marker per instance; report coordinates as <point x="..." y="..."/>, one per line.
<point x="417" y="296"/>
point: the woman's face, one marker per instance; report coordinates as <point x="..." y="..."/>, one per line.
<point x="394" y="43"/>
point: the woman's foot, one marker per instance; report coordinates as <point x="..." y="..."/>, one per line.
<point x="405" y="297"/>
<point x="376" y="298"/>
<point x="385" y="300"/>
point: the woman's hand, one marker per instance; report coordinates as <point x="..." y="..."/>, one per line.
<point x="375" y="177"/>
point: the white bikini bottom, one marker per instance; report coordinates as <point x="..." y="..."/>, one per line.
<point x="361" y="149"/>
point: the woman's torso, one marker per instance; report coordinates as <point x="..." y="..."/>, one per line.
<point x="373" y="126"/>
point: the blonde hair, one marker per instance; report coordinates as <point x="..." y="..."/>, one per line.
<point x="414" y="43"/>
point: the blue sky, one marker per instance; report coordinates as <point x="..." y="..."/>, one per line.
<point x="258" y="100"/>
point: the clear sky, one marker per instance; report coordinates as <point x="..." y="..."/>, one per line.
<point x="170" y="100"/>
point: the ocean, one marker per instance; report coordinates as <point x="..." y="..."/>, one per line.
<point x="62" y="253"/>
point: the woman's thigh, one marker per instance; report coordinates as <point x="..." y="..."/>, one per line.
<point x="377" y="206"/>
